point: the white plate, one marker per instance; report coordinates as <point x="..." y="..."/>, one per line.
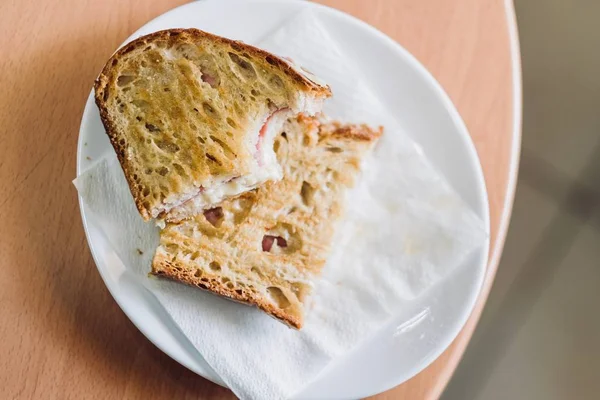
<point x="419" y="333"/>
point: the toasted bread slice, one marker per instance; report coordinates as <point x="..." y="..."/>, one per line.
<point x="192" y="117"/>
<point x="267" y="247"/>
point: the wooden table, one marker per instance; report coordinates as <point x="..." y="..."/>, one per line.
<point x="62" y="335"/>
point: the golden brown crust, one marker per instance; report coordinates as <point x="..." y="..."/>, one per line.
<point x="235" y="158"/>
<point x="163" y="267"/>
<point x="120" y="150"/>
<point x="224" y="251"/>
<point x="102" y="80"/>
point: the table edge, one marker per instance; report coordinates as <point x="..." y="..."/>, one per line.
<point x="463" y="340"/>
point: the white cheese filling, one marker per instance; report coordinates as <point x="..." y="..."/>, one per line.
<point x="265" y="168"/>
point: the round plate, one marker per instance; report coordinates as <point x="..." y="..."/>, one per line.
<point x="420" y="332"/>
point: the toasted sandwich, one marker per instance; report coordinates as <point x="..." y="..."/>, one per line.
<point x="192" y="117"/>
<point x="267" y="247"/>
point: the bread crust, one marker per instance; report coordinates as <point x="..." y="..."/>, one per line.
<point x="105" y="78"/>
<point x="163" y="267"/>
<point x="102" y="79"/>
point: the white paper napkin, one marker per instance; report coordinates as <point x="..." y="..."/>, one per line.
<point x="405" y="229"/>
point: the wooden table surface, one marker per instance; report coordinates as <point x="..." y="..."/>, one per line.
<point x="62" y="334"/>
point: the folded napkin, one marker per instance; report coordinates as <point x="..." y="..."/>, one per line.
<point x="405" y="228"/>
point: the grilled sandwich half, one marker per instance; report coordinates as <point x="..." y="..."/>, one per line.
<point x="267" y="247"/>
<point x="192" y="117"/>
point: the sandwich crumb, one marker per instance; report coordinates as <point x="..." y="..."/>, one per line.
<point x="88" y="158"/>
<point x="140" y="252"/>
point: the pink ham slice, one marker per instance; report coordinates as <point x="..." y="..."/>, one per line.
<point x="214" y="215"/>
<point x="268" y="241"/>
<point x="262" y="133"/>
<point x="212" y="80"/>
